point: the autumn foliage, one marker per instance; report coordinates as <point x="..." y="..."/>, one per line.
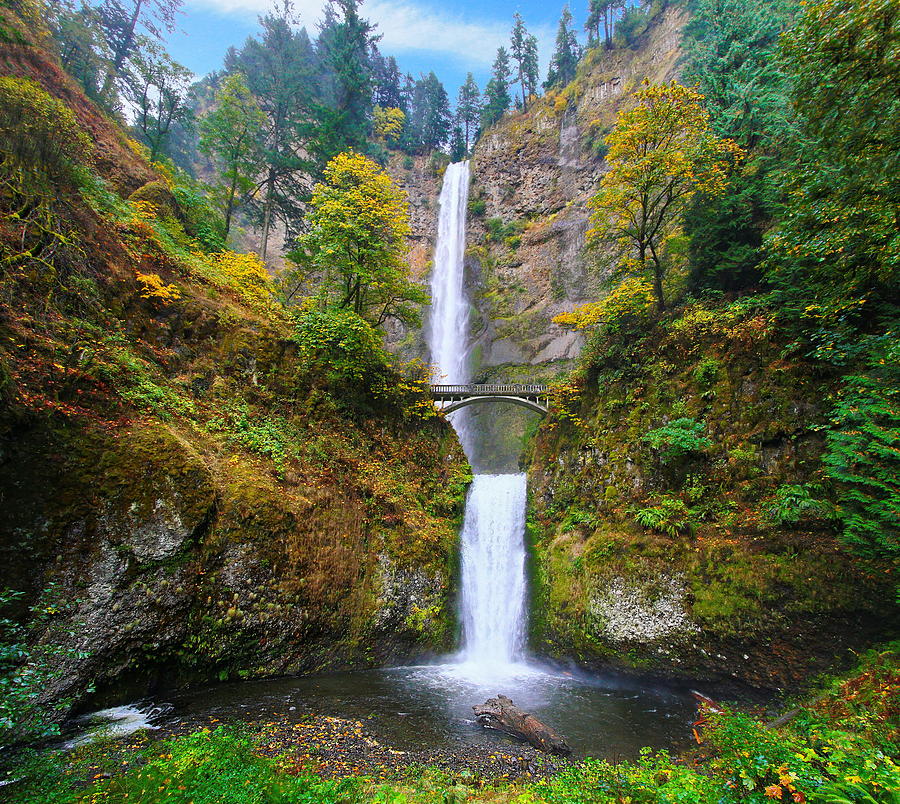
<point x="662" y="152"/>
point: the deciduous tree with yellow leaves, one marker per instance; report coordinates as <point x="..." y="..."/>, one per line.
<point x="357" y="240"/>
<point x="661" y="153"/>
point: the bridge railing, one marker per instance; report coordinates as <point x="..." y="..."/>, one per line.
<point x="488" y="390"/>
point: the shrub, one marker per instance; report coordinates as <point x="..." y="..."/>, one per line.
<point x="628" y="305"/>
<point x="670" y="517"/>
<point x="26" y="670"/>
<point x="707" y="372"/>
<point x="243" y="273"/>
<point x="793" y="502"/>
<point x="344" y="349"/>
<point x="477" y="207"/>
<point x="678" y="439"/>
<point x="39" y="134"/>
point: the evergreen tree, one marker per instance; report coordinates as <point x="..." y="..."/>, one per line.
<point x="232" y="134"/>
<point x="458" y="148"/>
<point x="388" y="90"/>
<point x="122" y="21"/>
<point x="468" y="110"/>
<point x="436" y="120"/>
<point x="344" y="47"/>
<point x="280" y="68"/>
<point x="565" y="58"/>
<point x="602" y="11"/>
<point x="428" y="123"/>
<point x="80" y="45"/>
<point x="733" y="60"/>
<point x="496" y="93"/>
<point x="835" y="254"/>
<point x="524" y="52"/>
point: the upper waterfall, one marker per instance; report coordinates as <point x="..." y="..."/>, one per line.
<point x="448" y="328"/>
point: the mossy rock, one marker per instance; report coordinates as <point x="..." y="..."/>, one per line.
<point x="158" y="193"/>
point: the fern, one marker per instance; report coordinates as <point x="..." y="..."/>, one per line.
<point x="863" y="457"/>
<point x="670" y="517"/>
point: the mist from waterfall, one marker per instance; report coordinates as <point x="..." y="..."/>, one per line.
<point x="492" y="605"/>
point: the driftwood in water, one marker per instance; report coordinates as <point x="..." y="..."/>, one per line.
<point x="502" y="714"/>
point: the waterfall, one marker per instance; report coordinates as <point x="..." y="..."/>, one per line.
<point x="492" y="602"/>
<point x="449" y="320"/>
<point x="493" y="570"/>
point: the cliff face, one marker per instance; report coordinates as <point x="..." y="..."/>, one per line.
<point x="185" y="497"/>
<point x="532" y="176"/>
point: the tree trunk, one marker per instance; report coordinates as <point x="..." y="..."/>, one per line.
<point x="657" y="280"/>
<point x="229" y="207"/>
<point x="502" y="714"/>
<point x="267" y="218"/>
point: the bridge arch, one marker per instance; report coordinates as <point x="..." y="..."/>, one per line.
<point x="453" y="397"/>
<point x="515" y="400"/>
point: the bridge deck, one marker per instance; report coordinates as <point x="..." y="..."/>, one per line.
<point x="456" y="391"/>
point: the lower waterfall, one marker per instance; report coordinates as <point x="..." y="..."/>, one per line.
<point x="493" y="571"/>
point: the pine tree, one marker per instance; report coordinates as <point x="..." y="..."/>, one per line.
<point x="524" y="52"/>
<point x="496" y="93"/>
<point x="565" y="58"/>
<point x="468" y="110"/>
<point x="280" y="68"/>
<point x="232" y="134"/>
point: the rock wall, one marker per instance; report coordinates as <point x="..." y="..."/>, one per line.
<point x="683" y="563"/>
<point x="185" y="496"/>
<point x="532" y="177"/>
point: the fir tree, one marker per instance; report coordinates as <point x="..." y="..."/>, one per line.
<point x="524" y="52"/>
<point x="468" y="110"/>
<point x="280" y="68"/>
<point x="496" y="94"/>
<point x="344" y="47"/>
<point x="565" y="57"/>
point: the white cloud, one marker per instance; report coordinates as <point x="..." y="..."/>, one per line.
<point x="405" y="26"/>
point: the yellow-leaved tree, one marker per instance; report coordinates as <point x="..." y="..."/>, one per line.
<point x="662" y="152"/>
<point x="387" y="123"/>
<point x="357" y="242"/>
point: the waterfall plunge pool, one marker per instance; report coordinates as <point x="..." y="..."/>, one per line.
<point x="430" y="707"/>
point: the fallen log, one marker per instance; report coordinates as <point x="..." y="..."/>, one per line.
<point x="502" y="714"/>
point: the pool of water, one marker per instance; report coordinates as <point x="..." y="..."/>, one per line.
<point x="413" y="707"/>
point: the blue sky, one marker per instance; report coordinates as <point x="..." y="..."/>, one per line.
<point x="451" y="39"/>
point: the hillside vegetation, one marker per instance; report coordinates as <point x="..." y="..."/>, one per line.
<point x="197" y="483"/>
<point x="716" y="490"/>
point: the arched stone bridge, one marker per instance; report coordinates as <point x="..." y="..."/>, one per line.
<point x="454" y="397"/>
